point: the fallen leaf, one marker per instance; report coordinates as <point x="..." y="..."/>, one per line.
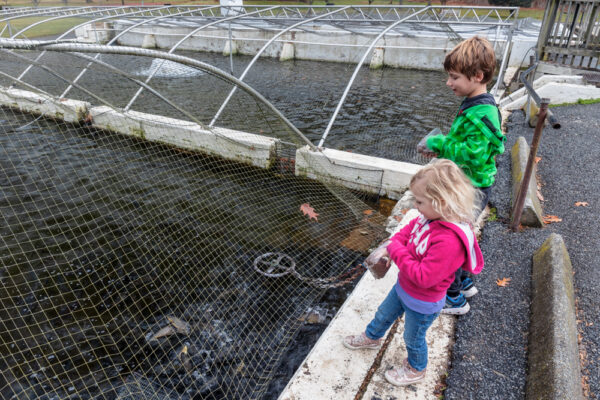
<point x="398" y="218"/>
<point x="539" y="195"/>
<point x="537" y="159"/>
<point x="581" y="204"/>
<point x="548" y="219"/>
<point x="502" y="282"/>
<point x="308" y="210"/>
<point x="368" y="212"/>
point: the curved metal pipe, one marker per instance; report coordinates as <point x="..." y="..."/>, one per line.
<point x="28" y="27"/>
<point x="176" y="45"/>
<point x="554" y="122"/>
<point x="358" y="67"/>
<point x="113" y="40"/>
<point x="123" y="50"/>
<point x="72" y="29"/>
<point x="218" y="114"/>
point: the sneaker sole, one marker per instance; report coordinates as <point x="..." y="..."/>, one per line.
<point x="368" y="347"/>
<point x="457" y="310"/>
<point x="470" y="292"/>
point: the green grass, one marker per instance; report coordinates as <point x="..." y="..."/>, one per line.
<point x="43" y="29"/>
<point x="579" y="101"/>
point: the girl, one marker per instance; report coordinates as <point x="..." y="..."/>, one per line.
<point x="428" y="252"/>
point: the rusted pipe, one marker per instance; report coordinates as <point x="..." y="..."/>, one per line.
<point x="522" y="194"/>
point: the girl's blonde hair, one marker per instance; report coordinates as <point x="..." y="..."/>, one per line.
<point x="451" y="193"/>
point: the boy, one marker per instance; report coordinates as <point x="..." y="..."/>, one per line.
<point x="475" y="137"/>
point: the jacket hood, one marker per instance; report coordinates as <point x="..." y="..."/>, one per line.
<point x="475" y="261"/>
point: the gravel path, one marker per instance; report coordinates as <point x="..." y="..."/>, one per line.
<point x="489" y="359"/>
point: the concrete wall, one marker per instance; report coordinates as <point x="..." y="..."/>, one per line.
<point x="369" y="174"/>
<point x="411" y="49"/>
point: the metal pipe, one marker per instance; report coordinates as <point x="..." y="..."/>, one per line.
<point x="522" y="194"/>
<point x="134" y="51"/>
<point x="176" y="45"/>
<point x="536" y="98"/>
<point x="218" y="114"/>
<point x="358" y="67"/>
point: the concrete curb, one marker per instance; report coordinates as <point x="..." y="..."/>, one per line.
<point x="532" y="210"/>
<point x="554" y="370"/>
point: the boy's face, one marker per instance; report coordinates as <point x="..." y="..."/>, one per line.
<point x="466" y="87"/>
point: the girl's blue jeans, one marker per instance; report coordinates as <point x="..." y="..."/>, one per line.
<point x="415" y="327"/>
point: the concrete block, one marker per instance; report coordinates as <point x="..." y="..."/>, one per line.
<point x="233" y="145"/>
<point x="62" y="109"/>
<point x="377" y="58"/>
<point x="554" y="370"/>
<point x="149" y="41"/>
<point x="231" y="47"/>
<point x="287" y="52"/>
<point x="532" y="209"/>
<point x="356" y="171"/>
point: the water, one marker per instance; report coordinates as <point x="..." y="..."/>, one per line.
<point x="386" y="113"/>
<point x="104" y="237"/>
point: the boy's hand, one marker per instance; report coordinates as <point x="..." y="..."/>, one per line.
<point x="425" y="152"/>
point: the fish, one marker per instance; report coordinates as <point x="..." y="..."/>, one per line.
<point x="180" y="325"/>
<point x="166" y="331"/>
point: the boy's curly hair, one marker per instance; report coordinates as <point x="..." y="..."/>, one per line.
<point x="450" y="191"/>
<point x="471" y="56"/>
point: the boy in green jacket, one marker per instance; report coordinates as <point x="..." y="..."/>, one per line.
<point x="474" y="139"/>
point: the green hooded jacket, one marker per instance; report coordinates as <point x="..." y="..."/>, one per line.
<point x="474" y="140"/>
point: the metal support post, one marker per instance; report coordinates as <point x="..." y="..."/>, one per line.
<point x="522" y="194"/>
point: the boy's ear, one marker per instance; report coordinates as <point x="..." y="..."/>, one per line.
<point x="478" y="77"/>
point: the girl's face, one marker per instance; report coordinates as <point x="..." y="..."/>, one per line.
<point x="422" y="203"/>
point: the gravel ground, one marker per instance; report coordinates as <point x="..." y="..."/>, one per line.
<point x="489" y="359"/>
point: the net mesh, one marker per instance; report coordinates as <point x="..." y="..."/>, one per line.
<point x="137" y="262"/>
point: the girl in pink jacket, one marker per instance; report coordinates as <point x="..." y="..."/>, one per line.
<point x="428" y="251"/>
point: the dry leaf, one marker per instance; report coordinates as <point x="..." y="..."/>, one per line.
<point x="502" y="282"/>
<point x="548" y="219"/>
<point x="539" y="195"/>
<point x="537" y="159"/>
<point x="308" y="210"/>
<point x="398" y="218"/>
<point x="368" y="212"/>
<point x="581" y="204"/>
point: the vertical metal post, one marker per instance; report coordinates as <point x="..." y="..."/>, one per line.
<point x="522" y="194"/>
<point x="230" y="51"/>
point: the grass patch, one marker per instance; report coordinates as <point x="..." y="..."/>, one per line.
<point x="493" y="215"/>
<point x="44" y="29"/>
<point x="579" y="101"/>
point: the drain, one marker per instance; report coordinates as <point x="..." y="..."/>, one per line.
<point x="274" y="265"/>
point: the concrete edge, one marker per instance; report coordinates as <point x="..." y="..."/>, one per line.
<point x="554" y="368"/>
<point x="532" y="209"/>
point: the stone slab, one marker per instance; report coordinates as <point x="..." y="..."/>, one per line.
<point x="554" y="369"/>
<point x="532" y="209"/>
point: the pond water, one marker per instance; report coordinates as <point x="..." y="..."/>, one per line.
<point x="109" y="245"/>
<point x="385" y="114"/>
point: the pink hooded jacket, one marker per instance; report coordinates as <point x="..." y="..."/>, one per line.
<point x="428" y="253"/>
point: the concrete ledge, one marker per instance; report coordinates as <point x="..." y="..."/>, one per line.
<point x="239" y="146"/>
<point x="64" y="109"/>
<point x="554" y="370"/>
<point x="356" y="171"/>
<point x="532" y="209"/>
<point x="558" y="93"/>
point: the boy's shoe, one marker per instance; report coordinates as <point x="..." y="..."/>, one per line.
<point x="404" y="375"/>
<point x="468" y="288"/>
<point x="456" y="305"/>
<point x="356" y="342"/>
